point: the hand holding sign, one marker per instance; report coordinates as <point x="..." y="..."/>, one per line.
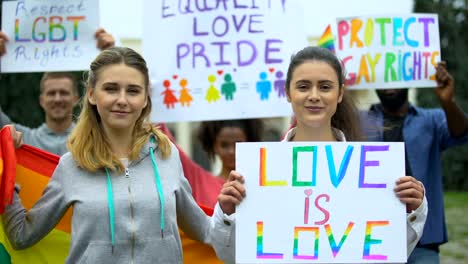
<point x="3" y="40"/>
<point x="410" y="192"/>
<point x="232" y="193"/>
<point x="104" y="40"/>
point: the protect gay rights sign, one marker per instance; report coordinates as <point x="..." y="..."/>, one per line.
<point x="310" y="202"/>
<point x="49" y="35"/>
<point x="389" y="51"/>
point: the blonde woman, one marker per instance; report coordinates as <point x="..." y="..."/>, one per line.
<point x="124" y="180"/>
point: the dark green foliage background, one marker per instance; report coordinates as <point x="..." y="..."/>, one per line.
<point x="453" y="27"/>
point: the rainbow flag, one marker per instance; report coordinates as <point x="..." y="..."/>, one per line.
<point x="32" y="168"/>
<point x="326" y="40"/>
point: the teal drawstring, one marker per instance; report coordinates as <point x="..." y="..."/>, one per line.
<point x="110" y="197"/>
<point x="158" y="184"/>
<point x="110" y="202"/>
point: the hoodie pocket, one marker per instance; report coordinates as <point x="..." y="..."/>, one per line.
<point x="161" y="250"/>
<point x="102" y="252"/>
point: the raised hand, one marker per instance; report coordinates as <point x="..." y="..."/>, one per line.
<point x="445" y="83"/>
<point x="104" y="40"/>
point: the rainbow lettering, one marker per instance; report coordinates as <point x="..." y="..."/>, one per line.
<point x="368" y="241"/>
<point x="297" y="230"/>
<point x="336" y="179"/>
<point x="296" y="151"/>
<point x="336" y="248"/>
<point x="263" y="175"/>
<point x="260" y="253"/>
<point x="370" y="163"/>
<point x="50" y="29"/>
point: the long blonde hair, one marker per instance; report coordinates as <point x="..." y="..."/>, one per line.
<point x="88" y="143"/>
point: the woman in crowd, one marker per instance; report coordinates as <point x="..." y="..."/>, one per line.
<point x="219" y="138"/>
<point x="325" y="112"/>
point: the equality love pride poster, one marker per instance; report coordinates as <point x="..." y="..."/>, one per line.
<point x="320" y="203"/>
<point x="49" y="35"/>
<point x="223" y="59"/>
<point x="389" y="51"/>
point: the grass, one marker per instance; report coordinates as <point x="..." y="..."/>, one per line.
<point x="456" y="213"/>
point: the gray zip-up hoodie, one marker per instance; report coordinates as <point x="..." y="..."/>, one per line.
<point x="137" y="211"/>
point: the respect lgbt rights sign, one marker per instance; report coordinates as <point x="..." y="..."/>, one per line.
<point x="49" y="35"/>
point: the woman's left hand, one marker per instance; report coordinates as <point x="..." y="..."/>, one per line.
<point x="232" y="193"/>
<point x="410" y="192"/>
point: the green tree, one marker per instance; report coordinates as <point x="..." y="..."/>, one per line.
<point x="453" y="28"/>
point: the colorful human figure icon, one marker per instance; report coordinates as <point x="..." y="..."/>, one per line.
<point x="212" y="94"/>
<point x="185" y="96"/>
<point x="279" y="84"/>
<point x="228" y="88"/>
<point x="169" y="98"/>
<point x="263" y="86"/>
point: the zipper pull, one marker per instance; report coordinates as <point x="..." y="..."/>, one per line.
<point x="127" y="173"/>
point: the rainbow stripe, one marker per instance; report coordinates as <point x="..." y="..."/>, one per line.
<point x="368" y="241"/>
<point x="34" y="168"/>
<point x="260" y="253"/>
<point x="336" y="248"/>
<point x="17" y="37"/>
<point x="297" y="230"/>
<point x="53" y="24"/>
<point x="76" y="20"/>
<point x="326" y="40"/>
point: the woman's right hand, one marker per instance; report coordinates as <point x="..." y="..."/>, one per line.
<point x="232" y="193"/>
<point x="16" y="135"/>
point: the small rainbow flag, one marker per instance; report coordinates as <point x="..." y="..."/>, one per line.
<point x="32" y="168"/>
<point x="326" y="40"/>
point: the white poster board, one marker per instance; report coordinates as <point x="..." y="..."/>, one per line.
<point x="220" y="59"/>
<point x="310" y="202"/>
<point x="393" y="51"/>
<point x="49" y="35"/>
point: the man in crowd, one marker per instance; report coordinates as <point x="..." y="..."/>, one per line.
<point x="426" y="133"/>
<point x="58" y="96"/>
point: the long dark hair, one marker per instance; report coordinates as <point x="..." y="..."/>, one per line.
<point x="346" y="117"/>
